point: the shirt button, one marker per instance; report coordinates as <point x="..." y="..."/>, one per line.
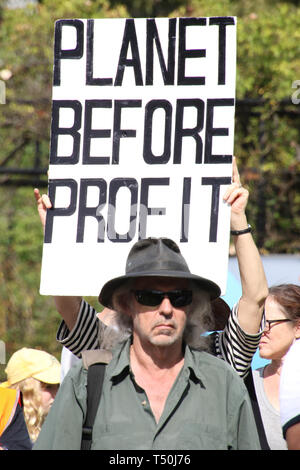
<point x="144" y="403"/>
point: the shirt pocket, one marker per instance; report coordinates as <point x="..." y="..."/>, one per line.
<point x="200" y="436"/>
<point x="122" y="436"/>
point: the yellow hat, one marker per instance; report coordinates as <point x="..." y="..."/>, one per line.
<point x="34" y="363"/>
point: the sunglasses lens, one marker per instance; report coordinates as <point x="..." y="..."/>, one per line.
<point x="178" y="298"/>
<point x="148" y="297"/>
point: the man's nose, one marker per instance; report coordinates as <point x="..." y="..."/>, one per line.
<point x="166" y="308"/>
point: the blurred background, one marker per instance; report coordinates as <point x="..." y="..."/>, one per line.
<point x="267" y="141"/>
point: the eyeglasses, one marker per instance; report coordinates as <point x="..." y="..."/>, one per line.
<point x="152" y="298"/>
<point x="268" y="323"/>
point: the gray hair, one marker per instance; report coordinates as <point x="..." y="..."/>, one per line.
<point x="199" y="316"/>
<point x="199" y="320"/>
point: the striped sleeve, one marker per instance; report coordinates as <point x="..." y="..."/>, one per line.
<point x="235" y="346"/>
<point x="85" y="333"/>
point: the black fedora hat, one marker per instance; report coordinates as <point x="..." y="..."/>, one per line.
<point x="161" y="257"/>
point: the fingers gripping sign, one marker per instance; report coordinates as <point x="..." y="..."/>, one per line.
<point x="236" y="195"/>
<point x="43" y="203"/>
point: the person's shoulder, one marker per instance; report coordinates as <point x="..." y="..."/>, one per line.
<point x="76" y="374"/>
<point x="204" y="358"/>
<point x="214" y="366"/>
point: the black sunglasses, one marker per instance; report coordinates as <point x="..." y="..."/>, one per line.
<point x="152" y="298"/>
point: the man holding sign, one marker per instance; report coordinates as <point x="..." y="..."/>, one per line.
<point x="161" y="389"/>
<point x="243" y="323"/>
<point x="153" y="123"/>
<point x="238" y="332"/>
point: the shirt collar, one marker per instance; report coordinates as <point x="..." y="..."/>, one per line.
<point x="191" y="367"/>
<point x="119" y="367"/>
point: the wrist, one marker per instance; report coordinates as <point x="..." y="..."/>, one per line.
<point x="238" y="221"/>
<point x="247" y="229"/>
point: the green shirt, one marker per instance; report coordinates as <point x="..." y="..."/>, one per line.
<point x="207" y="408"/>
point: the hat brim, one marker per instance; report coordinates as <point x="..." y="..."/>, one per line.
<point x="5" y="384"/>
<point x="49" y="376"/>
<point x="220" y="308"/>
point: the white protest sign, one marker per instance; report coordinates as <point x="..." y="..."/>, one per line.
<point x="141" y="146"/>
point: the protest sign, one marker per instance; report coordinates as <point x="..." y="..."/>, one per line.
<point x="141" y="146"/>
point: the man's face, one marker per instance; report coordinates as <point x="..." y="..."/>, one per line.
<point x="162" y="324"/>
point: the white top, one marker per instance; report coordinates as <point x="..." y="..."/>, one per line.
<point x="269" y="415"/>
<point x="290" y="388"/>
<point x="68" y="359"/>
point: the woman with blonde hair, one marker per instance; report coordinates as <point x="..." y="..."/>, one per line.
<point x="36" y="374"/>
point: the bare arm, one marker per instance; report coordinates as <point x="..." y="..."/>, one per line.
<point x="293" y="437"/>
<point x="253" y="279"/>
<point x="67" y="307"/>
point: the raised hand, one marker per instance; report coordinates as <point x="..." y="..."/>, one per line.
<point x="43" y="203"/>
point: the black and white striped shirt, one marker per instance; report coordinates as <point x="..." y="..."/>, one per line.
<point x="232" y="344"/>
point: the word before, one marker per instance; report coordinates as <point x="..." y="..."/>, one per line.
<point x="170" y="136"/>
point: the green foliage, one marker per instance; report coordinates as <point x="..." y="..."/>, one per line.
<point x="26" y="317"/>
<point x="26" y="38"/>
<point x="268" y="52"/>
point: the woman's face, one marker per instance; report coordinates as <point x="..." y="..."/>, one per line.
<point x="277" y="336"/>
<point x="48" y="394"/>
